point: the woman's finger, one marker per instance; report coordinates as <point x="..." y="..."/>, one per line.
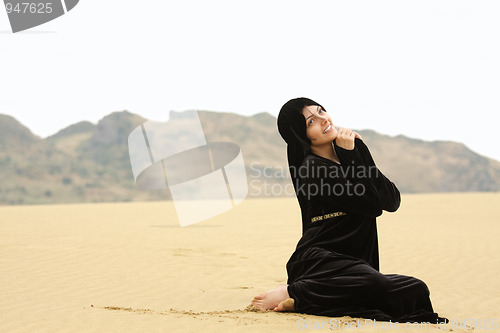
<point x="345" y="131"/>
<point x="345" y="138"/>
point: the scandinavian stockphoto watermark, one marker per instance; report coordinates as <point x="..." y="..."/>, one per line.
<point x="322" y="180"/>
<point x="25" y="14"/>
<point x="204" y="178"/>
<point x="337" y="324"/>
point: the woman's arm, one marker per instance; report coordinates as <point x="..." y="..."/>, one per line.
<point x="387" y="191"/>
<point x="341" y="186"/>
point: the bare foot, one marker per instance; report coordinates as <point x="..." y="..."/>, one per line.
<point x="287" y="305"/>
<point x="271" y="298"/>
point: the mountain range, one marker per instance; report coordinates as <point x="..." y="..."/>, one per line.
<point x="88" y="162"/>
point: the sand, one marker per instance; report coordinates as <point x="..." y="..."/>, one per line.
<point x="130" y="267"/>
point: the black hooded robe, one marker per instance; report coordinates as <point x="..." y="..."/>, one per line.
<point x="334" y="270"/>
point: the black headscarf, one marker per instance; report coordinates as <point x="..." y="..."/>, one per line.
<point x="292" y="128"/>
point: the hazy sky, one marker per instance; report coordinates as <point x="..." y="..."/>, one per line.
<point x="426" y="69"/>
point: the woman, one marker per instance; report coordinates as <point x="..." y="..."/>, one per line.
<point x="334" y="270"/>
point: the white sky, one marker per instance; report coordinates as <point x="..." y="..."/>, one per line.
<point x="425" y="69"/>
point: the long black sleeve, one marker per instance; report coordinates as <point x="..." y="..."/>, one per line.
<point x="355" y="186"/>
<point x="341" y="187"/>
<point x="388" y="193"/>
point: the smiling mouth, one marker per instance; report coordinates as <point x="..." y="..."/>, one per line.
<point x="328" y="129"/>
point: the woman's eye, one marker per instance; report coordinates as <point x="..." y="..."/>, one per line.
<point x="311" y="121"/>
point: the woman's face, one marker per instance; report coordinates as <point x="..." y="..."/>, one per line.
<point x="319" y="126"/>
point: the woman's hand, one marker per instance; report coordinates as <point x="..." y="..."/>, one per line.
<point x="345" y="138"/>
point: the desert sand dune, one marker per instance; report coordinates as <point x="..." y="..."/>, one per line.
<point x="130" y="267"/>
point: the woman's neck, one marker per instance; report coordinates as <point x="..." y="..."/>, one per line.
<point x="327" y="151"/>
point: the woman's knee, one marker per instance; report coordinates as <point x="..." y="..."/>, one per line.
<point x="376" y="283"/>
<point x="421" y="286"/>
